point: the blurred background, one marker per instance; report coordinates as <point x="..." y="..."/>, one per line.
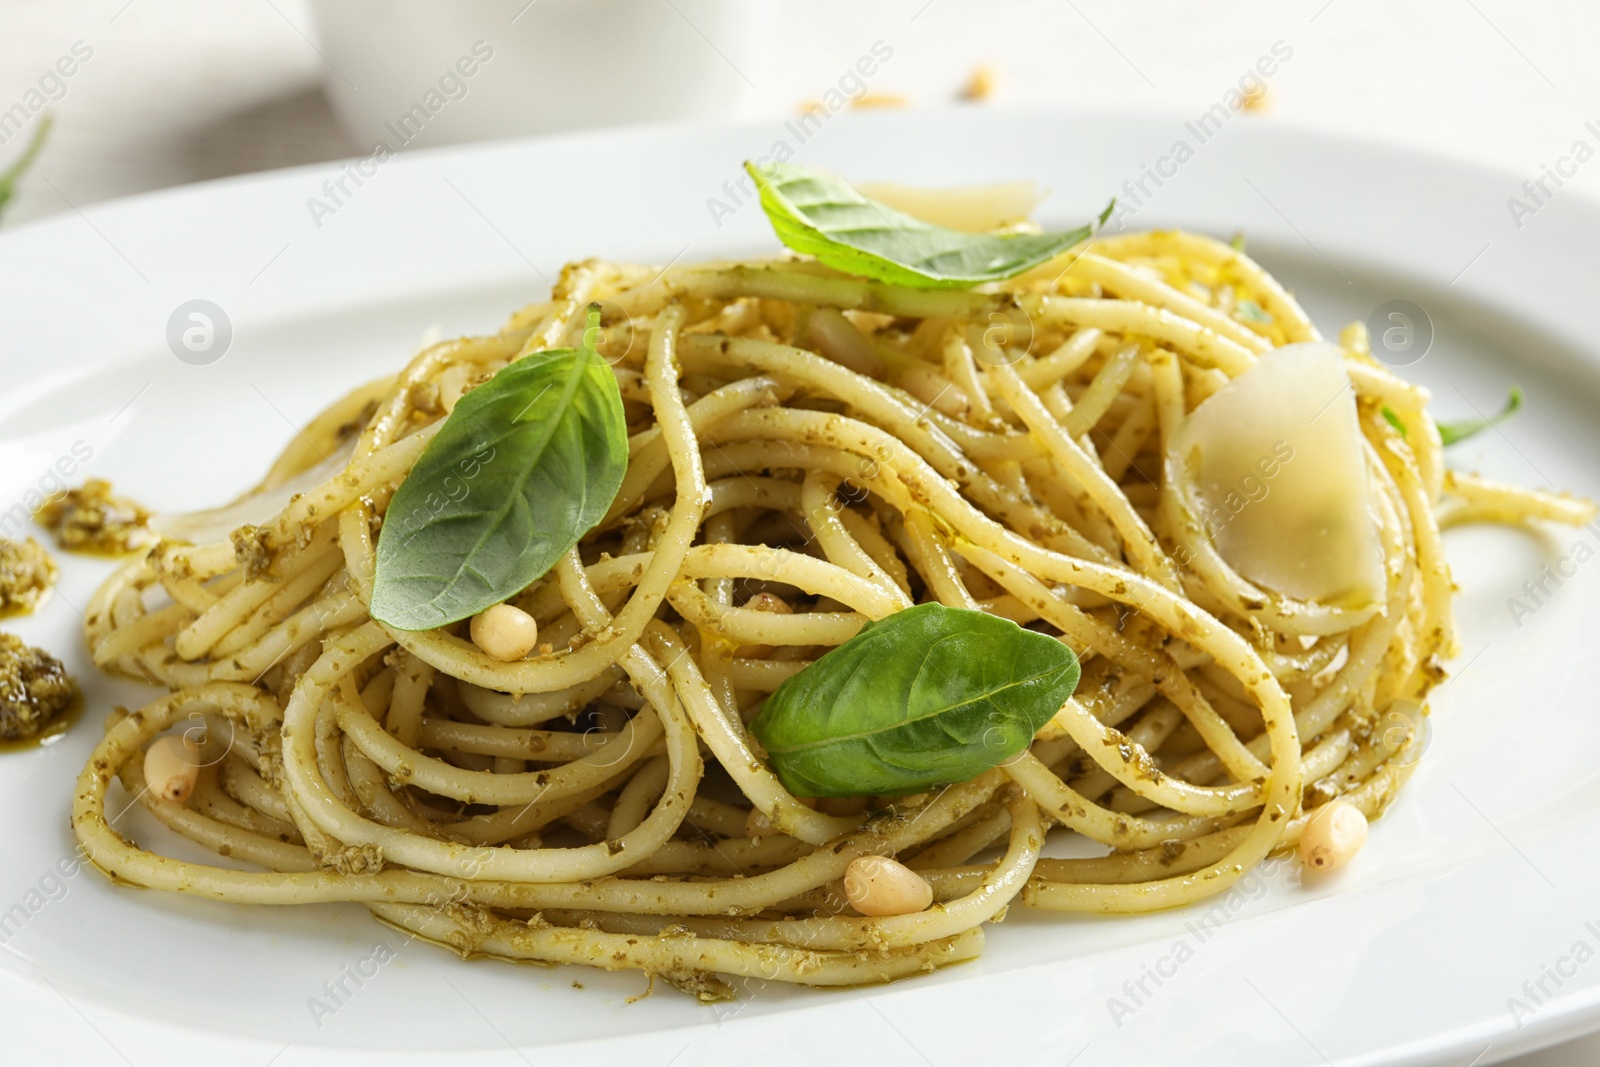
<point x="142" y="95"/>
<point x="165" y="92"/>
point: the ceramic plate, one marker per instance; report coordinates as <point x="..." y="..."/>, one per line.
<point x="1468" y="923"/>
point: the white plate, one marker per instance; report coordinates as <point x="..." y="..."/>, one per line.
<point x="1477" y="881"/>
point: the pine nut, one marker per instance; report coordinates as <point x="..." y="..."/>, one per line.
<point x="504" y="632"/>
<point x="1334" y="833"/>
<point x="878" y="885"/>
<point x="172" y="767"/>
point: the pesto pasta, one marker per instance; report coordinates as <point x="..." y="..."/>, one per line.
<point x="1258" y="612"/>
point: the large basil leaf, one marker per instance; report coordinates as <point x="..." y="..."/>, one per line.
<point x="1454" y="432"/>
<point x="525" y="465"/>
<point x="822" y="215"/>
<point x="928" y="695"/>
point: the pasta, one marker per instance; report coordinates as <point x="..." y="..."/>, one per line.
<point x="807" y="451"/>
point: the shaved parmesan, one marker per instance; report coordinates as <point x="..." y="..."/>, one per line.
<point x="1279" y="473"/>
<point x="968" y="208"/>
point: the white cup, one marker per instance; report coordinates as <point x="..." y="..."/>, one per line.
<point x="425" y="72"/>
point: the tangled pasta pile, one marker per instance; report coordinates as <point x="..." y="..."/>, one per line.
<point x="807" y="451"/>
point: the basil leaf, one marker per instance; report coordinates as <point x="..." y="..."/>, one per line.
<point x="928" y="695"/>
<point x="1393" y="419"/>
<point x="822" y="215"/>
<point x="1453" y="432"/>
<point x="525" y="465"/>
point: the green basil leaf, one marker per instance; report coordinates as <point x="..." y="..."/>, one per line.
<point x="1393" y="419"/>
<point x="1454" y="432"/>
<point x="822" y="215"/>
<point x="525" y="465"/>
<point x="12" y="174"/>
<point x="926" y="696"/>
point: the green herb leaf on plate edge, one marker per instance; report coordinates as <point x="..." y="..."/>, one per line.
<point x="1451" y="433"/>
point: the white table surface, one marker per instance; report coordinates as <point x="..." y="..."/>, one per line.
<point x="178" y="91"/>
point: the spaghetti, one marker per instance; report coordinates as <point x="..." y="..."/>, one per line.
<point x="808" y="451"/>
